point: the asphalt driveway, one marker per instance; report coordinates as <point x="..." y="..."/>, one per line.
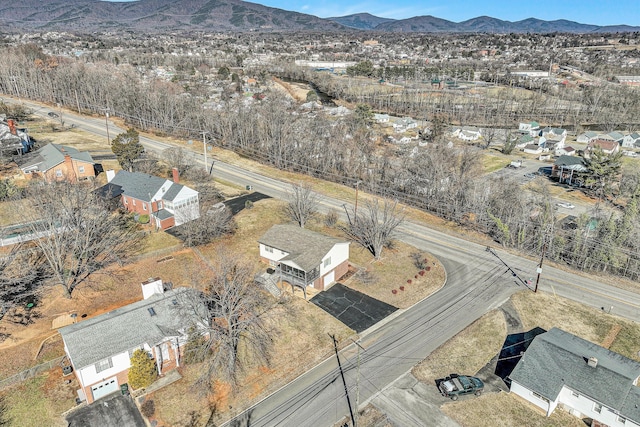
<point x="113" y="411"/>
<point x="356" y="310"/>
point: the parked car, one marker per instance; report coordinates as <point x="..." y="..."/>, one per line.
<point x="53" y="115"/>
<point x="457" y="385"/>
<point x="566" y="205"/>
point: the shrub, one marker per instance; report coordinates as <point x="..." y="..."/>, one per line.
<point x="143" y="370"/>
<point x="248" y="204"/>
<point x="148" y="408"/>
<point x="331" y="219"/>
<point x="143" y="219"/>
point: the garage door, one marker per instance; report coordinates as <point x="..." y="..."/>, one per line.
<point x="107" y="387"/>
<point x="329" y="278"/>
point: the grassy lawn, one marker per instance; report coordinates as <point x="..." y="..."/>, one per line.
<point x="39" y="401"/>
<point x="505" y="410"/>
<point x="493" y="162"/>
<point x="485" y="337"/>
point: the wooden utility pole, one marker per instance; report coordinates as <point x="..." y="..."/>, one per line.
<point x="355" y="211"/>
<point x="204" y="146"/>
<point x="544" y="248"/>
<point x="355" y="420"/>
<point x="344" y="382"/>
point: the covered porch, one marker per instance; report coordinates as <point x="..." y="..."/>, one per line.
<point x="297" y="277"/>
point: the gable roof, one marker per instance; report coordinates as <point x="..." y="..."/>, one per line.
<point x="605" y="144"/>
<point x="125" y="328"/>
<point x="143" y="186"/>
<point x="571" y="162"/>
<point x="306" y="248"/>
<point x="557" y="358"/>
<point x="52" y="155"/>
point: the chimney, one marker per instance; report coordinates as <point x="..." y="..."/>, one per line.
<point x="176" y="176"/>
<point x="151" y="287"/>
<point x="592" y="361"/>
<point x="70" y="172"/>
<point x="110" y="175"/>
<point x="12" y="126"/>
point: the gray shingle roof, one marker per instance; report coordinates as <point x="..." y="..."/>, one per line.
<point x="125" y="328"/>
<point x="172" y="192"/>
<point x="572" y="162"/>
<point x="557" y="358"/>
<point x="306" y="248"/>
<point x="141" y="186"/>
<point x="53" y="154"/>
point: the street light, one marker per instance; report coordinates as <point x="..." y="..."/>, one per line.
<point x="106" y="122"/>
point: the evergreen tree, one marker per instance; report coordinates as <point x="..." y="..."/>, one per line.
<point x="127" y="148"/>
<point x="143" y="370"/>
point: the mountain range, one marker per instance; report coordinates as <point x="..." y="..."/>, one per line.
<point x="154" y="16"/>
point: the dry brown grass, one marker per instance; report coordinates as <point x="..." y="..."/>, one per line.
<point x="546" y="311"/>
<point x="505" y="410"/>
<point x="467" y="352"/>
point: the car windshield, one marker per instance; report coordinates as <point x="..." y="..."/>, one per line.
<point x="465" y="382"/>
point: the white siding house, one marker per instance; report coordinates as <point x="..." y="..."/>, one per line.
<point x="562" y="370"/>
<point x="303" y="257"/>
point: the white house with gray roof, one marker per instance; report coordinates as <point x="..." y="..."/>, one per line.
<point x="303" y="257"/>
<point x="100" y="348"/>
<point x="587" y="380"/>
<point x="168" y="203"/>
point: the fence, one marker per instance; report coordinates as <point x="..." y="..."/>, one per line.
<point x="31" y="372"/>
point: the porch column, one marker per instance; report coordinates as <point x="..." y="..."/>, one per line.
<point x="177" y="351"/>
<point x="156" y="349"/>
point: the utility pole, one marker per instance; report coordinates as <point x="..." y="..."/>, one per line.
<point x="539" y="269"/>
<point x="344" y="382"/>
<point x="106" y="122"/>
<point x="355" y="420"/>
<point x="355" y="211"/>
<point x="204" y="147"/>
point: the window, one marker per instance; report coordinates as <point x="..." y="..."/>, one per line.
<point x="327" y="262"/>
<point x="597" y="408"/>
<point x="575" y="394"/>
<point x="539" y="396"/>
<point x="134" y="202"/>
<point x="103" y="365"/>
<point x="622" y="419"/>
<point x="81" y="169"/>
<point x="59" y="173"/>
<point x="124" y="199"/>
<point x="268" y="249"/>
<point x="144" y="206"/>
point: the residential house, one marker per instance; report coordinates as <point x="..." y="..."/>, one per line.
<point x="616" y="136"/>
<point x="100" y="348"/>
<point x="531" y="128"/>
<point x="566" y="151"/>
<point x="525" y="140"/>
<point x="14" y="139"/>
<point x="533" y="148"/>
<point x="562" y="370"/>
<point x="587" y="137"/>
<point x="568" y="169"/>
<point x="467" y="133"/>
<point x="381" y="118"/>
<point x="556" y="134"/>
<point x="631" y="141"/>
<point x="55" y="162"/>
<point x="303" y="257"/>
<point x="404" y="124"/>
<point x="168" y="203"/>
<point x="608" y="146"/>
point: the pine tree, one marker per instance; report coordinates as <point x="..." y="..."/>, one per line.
<point x="127" y="148"/>
<point x="143" y="370"/>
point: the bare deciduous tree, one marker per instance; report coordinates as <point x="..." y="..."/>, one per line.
<point x="78" y="235"/>
<point x="374" y="225"/>
<point x="213" y="223"/>
<point x="236" y="335"/>
<point x="302" y="203"/>
<point x="22" y="275"/>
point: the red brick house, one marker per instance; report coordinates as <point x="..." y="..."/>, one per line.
<point x="168" y="203"/>
<point x="55" y="162"/>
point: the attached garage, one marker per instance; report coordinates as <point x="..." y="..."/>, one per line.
<point x="104" y="388"/>
<point x="329" y="278"/>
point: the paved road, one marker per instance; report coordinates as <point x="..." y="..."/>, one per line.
<point x="478" y="281"/>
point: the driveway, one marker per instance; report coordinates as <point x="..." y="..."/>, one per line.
<point x="237" y="204"/>
<point x="355" y="309"/>
<point x="114" y="411"/>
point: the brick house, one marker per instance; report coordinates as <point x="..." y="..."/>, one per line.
<point x="562" y="370"/>
<point x="55" y="162"/>
<point x="100" y="348"/>
<point x="608" y="146"/>
<point x="303" y="257"/>
<point x="168" y="203"/>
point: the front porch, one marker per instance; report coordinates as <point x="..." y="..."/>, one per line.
<point x="297" y="278"/>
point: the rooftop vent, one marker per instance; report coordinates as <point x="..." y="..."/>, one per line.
<point x="592" y="361"/>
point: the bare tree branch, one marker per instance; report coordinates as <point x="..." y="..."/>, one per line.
<point x="302" y="203"/>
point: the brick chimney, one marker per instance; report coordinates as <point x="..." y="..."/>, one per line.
<point x="176" y="175"/>
<point x="12" y="127"/>
<point x="70" y="171"/>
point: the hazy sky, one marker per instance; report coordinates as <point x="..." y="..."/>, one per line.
<point x="598" y="12"/>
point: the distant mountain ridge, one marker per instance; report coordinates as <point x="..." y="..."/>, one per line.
<point x="155" y="16"/>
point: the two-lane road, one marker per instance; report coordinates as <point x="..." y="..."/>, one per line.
<point x="478" y="281"/>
